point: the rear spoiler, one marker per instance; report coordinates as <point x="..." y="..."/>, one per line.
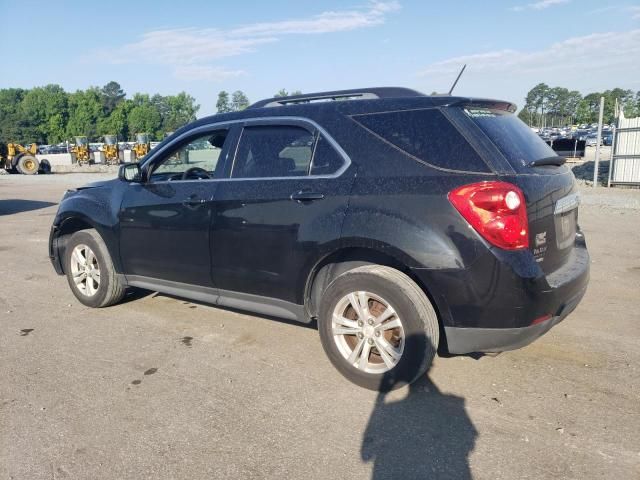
<point x="490" y="104"/>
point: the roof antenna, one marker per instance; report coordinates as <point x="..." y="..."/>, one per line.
<point x="457" y="78"/>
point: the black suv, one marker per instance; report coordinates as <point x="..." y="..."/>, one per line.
<point x="401" y="222"/>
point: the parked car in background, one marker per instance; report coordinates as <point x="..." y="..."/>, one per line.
<point x="402" y="223"/>
<point x="592" y="140"/>
<point x="607" y="138"/>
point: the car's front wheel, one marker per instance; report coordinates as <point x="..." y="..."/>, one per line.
<point x="378" y="327"/>
<point x="90" y="270"/>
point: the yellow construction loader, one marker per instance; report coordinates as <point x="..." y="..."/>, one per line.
<point x="142" y="146"/>
<point x="21" y="159"/>
<point x="81" y="150"/>
<point x="111" y="150"/>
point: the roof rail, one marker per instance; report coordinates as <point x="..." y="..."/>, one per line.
<point x="356" y="94"/>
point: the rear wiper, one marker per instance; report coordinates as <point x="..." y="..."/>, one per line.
<point x="556" y="160"/>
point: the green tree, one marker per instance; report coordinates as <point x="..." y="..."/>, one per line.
<point x="223" y="104"/>
<point x="536" y="103"/>
<point x="283" y="93"/>
<point x="239" y="101"/>
<point x="180" y="110"/>
<point x="85" y="111"/>
<point x="112" y="95"/>
<point x="117" y="122"/>
<point x="144" y="116"/>
<point x="44" y="114"/>
<point x="583" y="115"/>
<point x="11" y="123"/>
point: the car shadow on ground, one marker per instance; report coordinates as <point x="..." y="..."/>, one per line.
<point x="18" y="205"/>
<point x="425" y="435"/>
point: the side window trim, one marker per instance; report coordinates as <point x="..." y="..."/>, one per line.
<point x="236" y="141"/>
<point x="455" y="125"/>
<point x="305" y="123"/>
<point x="273" y="123"/>
<point x="185" y="139"/>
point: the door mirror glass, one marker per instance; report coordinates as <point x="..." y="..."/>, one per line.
<point x="130" y="172"/>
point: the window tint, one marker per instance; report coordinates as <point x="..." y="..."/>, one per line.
<point x="427" y="135"/>
<point x="325" y="159"/>
<point x="203" y="152"/>
<point x="273" y="151"/>
<point x="517" y="142"/>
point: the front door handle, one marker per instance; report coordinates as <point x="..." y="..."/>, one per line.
<point x="193" y="201"/>
<point x="301" y="196"/>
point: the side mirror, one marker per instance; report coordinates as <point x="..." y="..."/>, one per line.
<point x="130" y="172"/>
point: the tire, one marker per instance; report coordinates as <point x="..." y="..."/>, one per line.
<point x="96" y="294"/>
<point x="27" y="165"/>
<point x="416" y="340"/>
<point x="45" y="167"/>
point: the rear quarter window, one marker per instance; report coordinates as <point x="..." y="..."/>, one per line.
<point x="427" y="135"/>
<point x="518" y="143"/>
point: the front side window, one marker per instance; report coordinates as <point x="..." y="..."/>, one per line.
<point x="273" y="151"/>
<point x="196" y="159"/>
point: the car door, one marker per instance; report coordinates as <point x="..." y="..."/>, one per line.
<point x="164" y="221"/>
<point x="284" y="202"/>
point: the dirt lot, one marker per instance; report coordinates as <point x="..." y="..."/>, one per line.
<point x="158" y="387"/>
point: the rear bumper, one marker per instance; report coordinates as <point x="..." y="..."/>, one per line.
<point x="467" y="340"/>
<point x="497" y="303"/>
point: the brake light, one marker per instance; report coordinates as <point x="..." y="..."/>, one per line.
<point x="496" y="210"/>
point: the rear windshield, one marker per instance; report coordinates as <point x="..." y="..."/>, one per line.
<point x="517" y="142"/>
<point x="427" y="135"/>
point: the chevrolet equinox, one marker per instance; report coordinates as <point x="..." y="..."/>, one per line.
<point x="401" y="223"/>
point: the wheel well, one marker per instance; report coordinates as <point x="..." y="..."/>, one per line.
<point x="347" y="259"/>
<point x="72" y="225"/>
<point x="66" y="229"/>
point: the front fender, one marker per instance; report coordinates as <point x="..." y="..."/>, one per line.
<point x="87" y="208"/>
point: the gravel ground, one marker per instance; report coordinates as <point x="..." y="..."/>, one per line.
<point x="158" y="387"/>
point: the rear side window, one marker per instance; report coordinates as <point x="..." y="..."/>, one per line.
<point x="517" y="142"/>
<point x="273" y="151"/>
<point x="326" y="160"/>
<point x="426" y="135"/>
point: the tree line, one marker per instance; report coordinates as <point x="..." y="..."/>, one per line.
<point x="50" y="115"/>
<point x="238" y="101"/>
<point x="558" y="106"/>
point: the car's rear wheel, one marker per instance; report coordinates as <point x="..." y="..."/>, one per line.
<point x="378" y="327"/>
<point x="90" y="270"/>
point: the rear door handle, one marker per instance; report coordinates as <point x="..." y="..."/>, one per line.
<point x="301" y="196"/>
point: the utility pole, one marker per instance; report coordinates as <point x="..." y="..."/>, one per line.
<point x="595" y="167"/>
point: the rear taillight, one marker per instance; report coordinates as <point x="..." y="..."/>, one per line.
<point x="496" y="210"/>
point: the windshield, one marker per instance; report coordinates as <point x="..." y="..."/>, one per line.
<point x="141" y="138"/>
<point x="81" y="140"/>
<point x="518" y="143"/>
<point x="110" y="139"/>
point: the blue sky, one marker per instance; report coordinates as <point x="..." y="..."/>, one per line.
<point x="203" y="47"/>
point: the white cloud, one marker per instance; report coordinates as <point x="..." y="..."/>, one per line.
<point x="540" y="5"/>
<point x="326" y="22"/>
<point x="590" y="52"/>
<point x="589" y="63"/>
<point x="192" y="52"/>
<point x="635" y="12"/>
